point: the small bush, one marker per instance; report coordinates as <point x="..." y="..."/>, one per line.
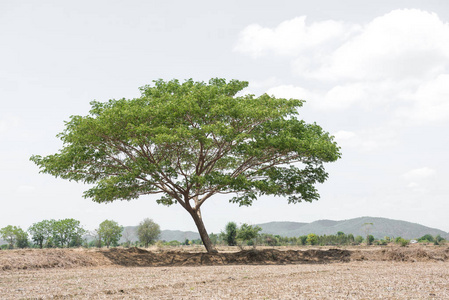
<point x="312" y="239"/>
<point x="402" y="242"/>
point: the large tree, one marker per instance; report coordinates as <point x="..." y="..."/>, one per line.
<point x="189" y="141"/>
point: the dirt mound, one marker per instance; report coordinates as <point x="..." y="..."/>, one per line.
<point x="272" y="256"/>
<point x="140" y="257"/>
<point x="413" y="255"/>
<point x="137" y="257"/>
<point x="49" y="258"/>
<point x="403" y="254"/>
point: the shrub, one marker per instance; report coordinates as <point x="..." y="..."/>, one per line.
<point x="427" y="238"/>
<point x="312" y="239"/>
<point x="402" y="242"/>
<point x="358" y="239"/>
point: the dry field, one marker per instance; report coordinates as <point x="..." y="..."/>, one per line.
<point x="373" y="273"/>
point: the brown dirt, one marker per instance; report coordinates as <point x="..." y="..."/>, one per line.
<point x="349" y="280"/>
<point x="138" y="257"/>
<point x="283" y="273"/>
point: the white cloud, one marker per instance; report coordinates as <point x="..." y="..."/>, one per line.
<point x="366" y="140"/>
<point x="396" y="64"/>
<point x="289" y="38"/>
<point x="419" y="174"/>
<point x="407" y="43"/>
<point x="289" y="91"/>
<point x="420" y="181"/>
<point x="344" y="135"/>
<point x="430" y="102"/>
<point x="342" y="96"/>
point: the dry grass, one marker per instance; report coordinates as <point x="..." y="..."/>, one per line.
<point x="354" y="280"/>
<point x="374" y="273"/>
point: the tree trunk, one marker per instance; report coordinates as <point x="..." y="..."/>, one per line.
<point x="196" y="215"/>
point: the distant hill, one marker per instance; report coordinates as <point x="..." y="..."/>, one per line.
<point x="166" y="235"/>
<point x="177" y="235"/>
<point x="381" y="227"/>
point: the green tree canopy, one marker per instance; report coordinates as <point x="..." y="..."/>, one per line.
<point x="14" y="236"/>
<point x="110" y="232"/>
<point x="189" y="141"/>
<point x="67" y="232"/>
<point x="8" y="233"/>
<point x="248" y="232"/>
<point x="148" y="231"/>
<point x="426" y="237"/>
<point x="312" y="239"/>
<point x="231" y="233"/>
<point x="41" y="232"/>
<point x="21" y="238"/>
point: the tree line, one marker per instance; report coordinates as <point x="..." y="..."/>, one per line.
<point x="67" y="233"/>
<point x="247" y="235"/>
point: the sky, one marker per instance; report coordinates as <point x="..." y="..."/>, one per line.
<point x="375" y="74"/>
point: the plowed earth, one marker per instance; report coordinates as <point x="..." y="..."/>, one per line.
<point x="370" y="273"/>
<point x="137" y="257"/>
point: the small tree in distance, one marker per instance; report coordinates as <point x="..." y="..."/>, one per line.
<point x="369" y="239"/>
<point x="148" y="231"/>
<point x="312" y="239"/>
<point x="110" y="232"/>
<point x="247" y="232"/>
<point x="231" y="233"/>
<point x="67" y="231"/>
<point x="22" y="238"/>
<point x="14" y="236"/>
<point x="358" y="240"/>
<point x="41" y="232"/>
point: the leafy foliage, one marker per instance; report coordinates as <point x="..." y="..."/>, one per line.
<point x="358" y="239"/>
<point x="8" y="233"/>
<point x="148" y="231"/>
<point x="110" y="232"/>
<point x="401" y="241"/>
<point x="189" y="141"/>
<point x="41" y="232"/>
<point x="426" y="238"/>
<point x="15" y="236"/>
<point x="67" y="232"/>
<point x="247" y="232"/>
<point x="312" y="239"/>
<point x="21" y="238"/>
<point x="231" y="233"/>
<point x="369" y="239"/>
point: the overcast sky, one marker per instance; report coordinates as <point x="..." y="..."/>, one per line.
<point x="375" y="74"/>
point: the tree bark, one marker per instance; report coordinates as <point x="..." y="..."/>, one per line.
<point x="196" y="215"/>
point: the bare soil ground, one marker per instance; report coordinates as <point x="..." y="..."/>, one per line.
<point x="318" y="273"/>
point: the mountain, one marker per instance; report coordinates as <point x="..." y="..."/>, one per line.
<point x="130" y="232"/>
<point x="177" y="235"/>
<point x="380" y="228"/>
